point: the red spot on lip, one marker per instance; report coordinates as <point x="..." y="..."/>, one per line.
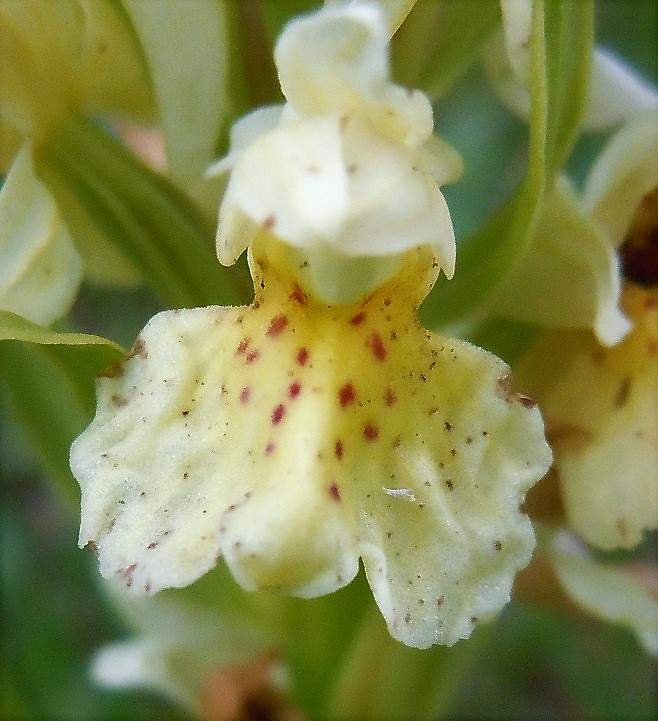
<point x="298" y="295"/>
<point x="358" y="318"/>
<point x="245" y="393"/>
<point x="294" y="389"/>
<point x="346" y="395"/>
<point x="251" y="357"/>
<point x="243" y="345"/>
<point x="339" y="450"/>
<point x="377" y="346"/>
<point x="334" y="491"/>
<point x="302" y="356"/>
<point x="389" y="397"/>
<point x="370" y="432"/>
<point x="278" y="413"/>
<point x="269" y="222"/>
<point x="277" y="325"/>
<point x="269" y="448"/>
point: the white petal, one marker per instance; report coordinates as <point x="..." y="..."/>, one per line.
<point x="607" y="592"/>
<point x="617" y="94"/>
<point x="245" y="131"/>
<point x="336" y="61"/>
<point x="624" y="172"/>
<point x="327" y="183"/>
<point x="569" y="276"/>
<point x="40" y="271"/>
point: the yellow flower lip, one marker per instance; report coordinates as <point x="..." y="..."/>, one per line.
<point x="292" y="438"/>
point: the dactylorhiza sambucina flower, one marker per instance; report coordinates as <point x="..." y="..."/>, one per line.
<point x="601" y="403"/>
<point x="322" y="424"/>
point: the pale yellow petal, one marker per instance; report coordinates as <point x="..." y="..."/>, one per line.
<point x="624" y="172"/>
<point x="606" y="591"/>
<point x="40" y="270"/>
<point x="291" y="438"/>
<point x="569" y="276"/>
<point x="601" y="409"/>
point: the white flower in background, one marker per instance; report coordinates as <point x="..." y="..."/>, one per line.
<point x="322" y="424"/>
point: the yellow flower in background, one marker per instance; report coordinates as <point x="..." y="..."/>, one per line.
<point x="322" y="424"/>
<point x="601" y="403"/>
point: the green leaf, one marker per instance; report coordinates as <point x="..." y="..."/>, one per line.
<point x="560" y="51"/>
<point x="47" y="386"/>
<point x="439" y="41"/>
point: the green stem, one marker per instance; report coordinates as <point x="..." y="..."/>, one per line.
<point x="153" y="223"/>
<point x="383" y="679"/>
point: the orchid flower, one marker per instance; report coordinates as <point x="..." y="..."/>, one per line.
<point x="321" y="424"/>
<point x="600" y="403"/>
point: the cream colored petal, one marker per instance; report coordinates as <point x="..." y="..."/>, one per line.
<point x="327" y="183"/>
<point x="624" y="172"/>
<point x="245" y="131"/>
<point x="40" y="270"/>
<point x="601" y="408"/>
<point x="607" y="592"/>
<point x="336" y="61"/>
<point x="617" y="94"/>
<point x="291" y="438"/>
<point x="569" y="277"/>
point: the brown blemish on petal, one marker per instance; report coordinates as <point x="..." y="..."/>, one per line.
<point x="358" y="318"/>
<point x="623" y="392"/>
<point x="119" y="401"/>
<point x="302" y="356"/>
<point x="277" y="325"/>
<point x="377" y="346"/>
<point x="450" y="485"/>
<point x="242" y="346"/>
<point x="334" y="492"/>
<point x="152" y="545"/>
<point x="127" y="574"/>
<point x="570" y="437"/>
<point x="294" y="389"/>
<point x="389" y="397"/>
<point x="346" y="395"/>
<point x="278" y="413"/>
<point x="498" y="545"/>
<point x="138" y="349"/>
<point x="370" y="432"/>
<point x="252" y="356"/>
<point x="114" y="370"/>
<point x="622" y="527"/>
<point x="298" y="295"/>
<point x="339" y="450"/>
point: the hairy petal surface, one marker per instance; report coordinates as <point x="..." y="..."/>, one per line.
<point x="291" y="438"/>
